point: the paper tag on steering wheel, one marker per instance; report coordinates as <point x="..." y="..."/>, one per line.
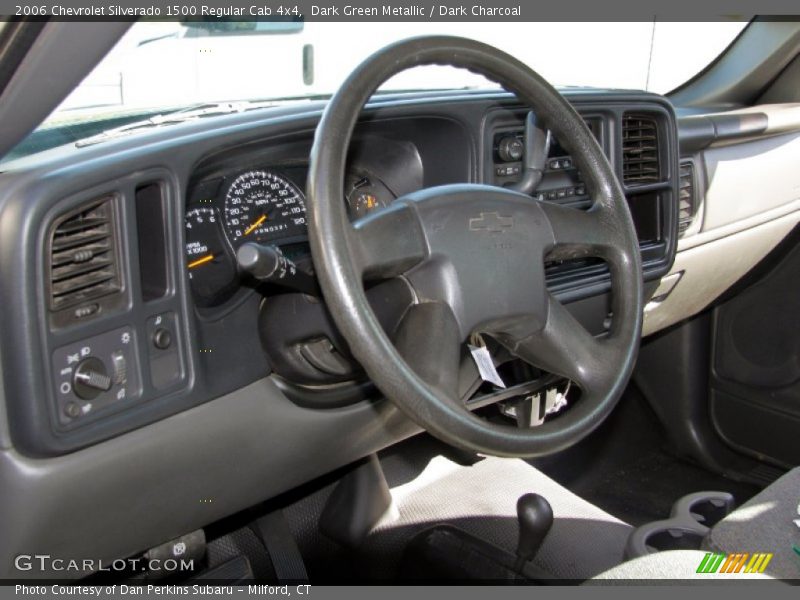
<point x="483" y="360"/>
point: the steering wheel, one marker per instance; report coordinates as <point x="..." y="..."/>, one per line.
<point x="474" y="256"/>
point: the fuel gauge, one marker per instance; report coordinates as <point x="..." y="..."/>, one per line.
<point x="212" y="271"/>
<point x="365" y="194"/>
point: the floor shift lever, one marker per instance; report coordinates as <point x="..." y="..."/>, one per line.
<point x="535" y="517"/>
<point x="447" y="552"/>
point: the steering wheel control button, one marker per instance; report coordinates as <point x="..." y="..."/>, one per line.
<point x="162" y="338"/>
<point x="94" y="373"/>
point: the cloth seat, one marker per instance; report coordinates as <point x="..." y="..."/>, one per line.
<point x="766" y="523"/>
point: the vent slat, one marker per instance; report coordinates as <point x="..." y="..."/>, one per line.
<point x="82" y="258"/>
<point x="74" y="255"/>
<point x="65" y="287"/>
<point x="686" y="198"/>
<point x="71" y="227"/>
<point x="80" y="239"/>
<point x="73" y="270"/>
<point x="640" y="160"/>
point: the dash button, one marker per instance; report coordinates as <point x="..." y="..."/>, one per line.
<point x="162" y="338"/>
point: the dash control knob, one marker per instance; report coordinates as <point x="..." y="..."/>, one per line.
<point x="510" y="149"/>
<point x="90" y="378"/>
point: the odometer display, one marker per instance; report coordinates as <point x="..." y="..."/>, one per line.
<point x="262" y="206"/>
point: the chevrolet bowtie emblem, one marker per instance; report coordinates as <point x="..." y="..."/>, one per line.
<point x="491" y="222"/>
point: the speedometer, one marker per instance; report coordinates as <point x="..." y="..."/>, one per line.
<point x="263" y="206"/>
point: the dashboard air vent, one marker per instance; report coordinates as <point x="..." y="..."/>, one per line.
<point x="83" y="263"/>
<point x="687" y="205"/>
<point x="640" y="163"/>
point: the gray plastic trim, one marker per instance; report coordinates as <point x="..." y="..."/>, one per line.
<point x="751" y="178"/>
<point x="710" y="269"/>
<point x="133" y="492"/>
<point x="749" y="196"/>
<point x="5" y="434"/>
<point x="699" y="131"/>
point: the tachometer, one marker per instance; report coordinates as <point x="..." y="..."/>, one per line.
<point x="262" y="206"/>
<point x="212" y="272"/>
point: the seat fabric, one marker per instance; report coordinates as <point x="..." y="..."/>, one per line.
<point x="768" y="522"/>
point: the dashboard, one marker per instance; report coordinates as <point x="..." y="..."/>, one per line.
<point x="143" y="308"/>
<point x="153" y="386"/>
<point x="127" y="363"/>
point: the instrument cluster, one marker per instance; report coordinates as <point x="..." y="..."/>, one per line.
<point x="263" y="206"/>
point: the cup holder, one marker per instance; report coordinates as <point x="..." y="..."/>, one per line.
<point x="707" y="508"/>
<point x="674" y="539"/>
<point x="690" y="521"/>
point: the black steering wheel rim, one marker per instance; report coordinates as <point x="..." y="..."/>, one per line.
<point x="338" y="250"/>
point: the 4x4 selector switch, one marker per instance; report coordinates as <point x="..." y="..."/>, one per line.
<point x="90" y="378"/>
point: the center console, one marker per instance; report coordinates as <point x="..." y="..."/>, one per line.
<point x="638" y="137"/>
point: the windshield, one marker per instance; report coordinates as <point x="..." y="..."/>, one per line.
<point x="161" y="67"/>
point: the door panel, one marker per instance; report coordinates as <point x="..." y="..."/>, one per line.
<point x="755" y="379"/>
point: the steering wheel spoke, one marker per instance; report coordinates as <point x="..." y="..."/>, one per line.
<point x="428" y="339"/>
<point x="563" y="347"/>
<point x="388" y="243"/>
<point x="580" y="233"/>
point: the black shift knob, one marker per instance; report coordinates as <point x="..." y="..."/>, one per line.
<point x="535" y="519"/>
